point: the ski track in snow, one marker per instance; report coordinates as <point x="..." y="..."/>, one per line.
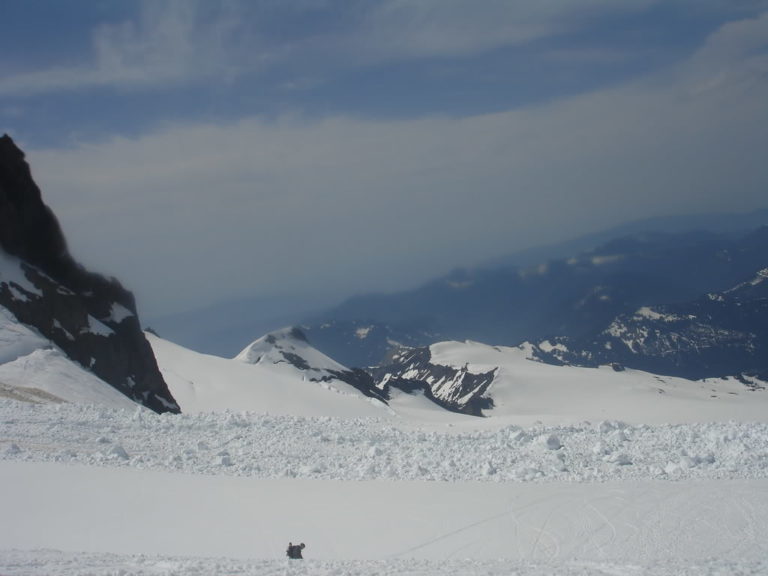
<point x="263" y="446"/>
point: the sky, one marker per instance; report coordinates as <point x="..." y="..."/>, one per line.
<point x="206" y="150"/>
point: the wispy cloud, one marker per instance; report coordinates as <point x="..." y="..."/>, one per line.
<point x="175" y="42"/>
<point x="427" y="28"/>
<point x="171" y="42"/>
<point x="735" y="57"/>
<point x="348" y="204"/>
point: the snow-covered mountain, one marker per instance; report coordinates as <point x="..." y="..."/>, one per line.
<point x="290" y="346"/>
<point x="89" y="319"/>
<point x="510" y="384"/>
<point x="571" y="298"/>
<point x="721" y="334"/>
<point x="447" y="382"/>
<point x="573" y="471"/>
<point x="277" y="374"/>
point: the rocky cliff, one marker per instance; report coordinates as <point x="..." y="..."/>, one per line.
<point x="91" y="318"/>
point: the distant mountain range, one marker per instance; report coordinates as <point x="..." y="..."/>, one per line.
<point x="720" y="334"/>
<point x="573" y="302"/>
<point x="678" y="306"/>
<point x="225" y="328"/>
<point x="281" y="373"/>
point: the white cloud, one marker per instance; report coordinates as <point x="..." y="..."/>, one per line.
<point x="425" y="28"/>
<point x="173" y="42"/>
<point x="735" y="56"/>
<point x="196" y="212"/>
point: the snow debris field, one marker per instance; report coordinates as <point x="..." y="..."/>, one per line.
<point x="264" y="446"/>
<point x="146" y="565"/>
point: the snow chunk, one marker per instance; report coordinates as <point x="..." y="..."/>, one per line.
<point x="117" y="452"/>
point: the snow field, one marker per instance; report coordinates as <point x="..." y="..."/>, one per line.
<point x="103" y="510"/>
<point x="324" y="448"/>
<point x="23" y="563"/>
<point x="91" y="490"/>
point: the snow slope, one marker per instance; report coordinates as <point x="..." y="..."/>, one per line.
<point x="202" y="383"/>
<point x="32" y="367"/>
<point x="280" y="346"/>
<point x="526" y="391"/>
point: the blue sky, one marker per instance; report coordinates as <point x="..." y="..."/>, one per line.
<point x="205" y="150"/>
<point x="95" y="69"/>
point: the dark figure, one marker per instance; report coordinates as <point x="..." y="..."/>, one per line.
<point x="294" y="551"/>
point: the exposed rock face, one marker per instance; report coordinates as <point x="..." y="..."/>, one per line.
<point x="91" y="318"/>
<point x="456" y="389"/>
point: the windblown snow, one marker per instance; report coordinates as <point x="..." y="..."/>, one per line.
<point x="575" y="471"/>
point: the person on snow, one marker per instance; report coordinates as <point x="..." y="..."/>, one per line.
<point x="294" y="551"/>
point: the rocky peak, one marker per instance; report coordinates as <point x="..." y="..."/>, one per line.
<point x="28" y="228"/>
<point x="91" y="318"/>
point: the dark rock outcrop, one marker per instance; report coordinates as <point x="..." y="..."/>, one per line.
<point x="456" y="389"/>
<point x="91" y="318"/>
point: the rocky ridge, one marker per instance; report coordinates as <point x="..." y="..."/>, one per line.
<point x="92" y="319"/>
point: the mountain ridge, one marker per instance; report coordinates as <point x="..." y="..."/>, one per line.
<point x="567" y="298"/>
<point x="91" y="318"/>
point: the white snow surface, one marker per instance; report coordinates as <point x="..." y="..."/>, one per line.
<point x="94" y="490"/>
<point x="576" y="471"/>
<point x="525" y="391"/>
<point x="17" y="340"/>
<point x="268" y="350"/>
<point x="203" y="383"/>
